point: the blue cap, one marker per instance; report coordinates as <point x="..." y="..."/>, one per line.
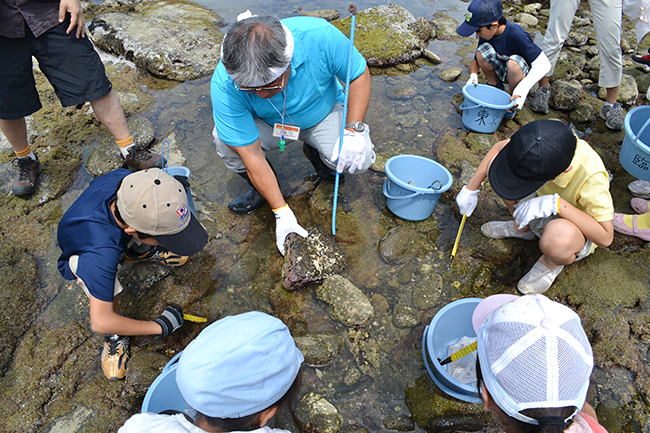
<point x="480" y="13"/>
<point x="238" y="366"/>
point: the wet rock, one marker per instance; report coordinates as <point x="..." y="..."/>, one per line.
<point x="405" y="317"/>
<point x="400" y="243"/>
<point x="354" y="429"/>
<point x="611" y="415"/>
<point x="643" y="83"/>
<point x="445" y="26"/>
<point x="583" y="113"/>
<point x="347" y="303"/>
<point x="385" y="35"/>
<point x="567" y="69"/>
<point x="576" y="39"/>
<point x="581" y="21"/>
<point x="352" y="376"/>
<point x="455" y="423"/>
<point x="431" y="56"/>
<point x="312" y="259"/>
<point x="424" y="29"/>
<point x="526" y="20"/>
<point x="365" y="351"/>
<point x="314" y="414"/>
<point x="628" y="91"/>
<point x="451" y="74"/>
<point x="401" y="93"/>
<point x="106" y="156"/>
<point x="532" y="8"/>
<point x="400" y="423"/>
<point x="144" y="367"/>
<point x="326" y="14"/>
<point x="320" y="348"/>
<point x="565" y="95"/>
<point x="178" y="41"/>
<point x="427" y="292"/>
<point x="71" y="422"/>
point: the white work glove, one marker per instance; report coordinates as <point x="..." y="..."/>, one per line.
<point x="285" y="223"/>
<point x="467" y="201"/>
<point x="473" y="79"/>
<point x="538" y="207"/>
<point x="353" y="151"/>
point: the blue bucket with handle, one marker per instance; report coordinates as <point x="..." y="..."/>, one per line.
<point x="182" y="174"/>
<point x="414" y="185"/>
<point x="450" y="324"/>
<point x="484" y="107"/>
<point x="163" y="394"/>
<point x="635" y="153"/>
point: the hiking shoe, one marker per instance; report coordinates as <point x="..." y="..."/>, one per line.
<point x="613" y="116"/>
<point x="645" y="60"/>
<point x="505" y="229"/>
<point x="640" y="188"/>
<point x="539" y="103"/>
<point x="25" y="180"/>
<point x="247" y="202"/>
<point x="155" y="254"/>
<point x="115" y="356"/>
<point x="538" y="279"/>
<point x="322" y="170"/>
<point x="139" y="158"/>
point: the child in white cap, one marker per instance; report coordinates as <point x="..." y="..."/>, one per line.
<point x="534" y="363"/>
<point x="235" y="375"/>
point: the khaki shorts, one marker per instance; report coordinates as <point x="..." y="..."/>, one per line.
<point x="73" y="262"/>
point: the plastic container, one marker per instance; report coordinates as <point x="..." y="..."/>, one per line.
<point x="635" y="153"/>
<point x="484" y="107"/>
<point x="414" y="185"/>
<point x="163" y="394"/>
<point x="182" y="174"/>
<point x="451" y="323"/>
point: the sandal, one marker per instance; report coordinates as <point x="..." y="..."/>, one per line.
<point x="621" y="227"/>
<point x="639" y="205"/>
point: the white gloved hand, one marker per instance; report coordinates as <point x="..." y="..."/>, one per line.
<point x="473" y="79"/>
<point x="467" y="201"/>
<point x="285" y="223"/>
<point x="353" y="151"/>
<point x="538" y="207"/>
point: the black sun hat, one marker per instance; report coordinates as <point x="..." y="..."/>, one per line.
<point x="538" y="152"/>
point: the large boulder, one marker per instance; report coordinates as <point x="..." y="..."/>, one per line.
<point x="386" y="35"/>
<point x="177" y="41"/>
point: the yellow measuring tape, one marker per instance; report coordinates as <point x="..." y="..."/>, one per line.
<point x="460" y="353"/>
<point x="195" y="319"/>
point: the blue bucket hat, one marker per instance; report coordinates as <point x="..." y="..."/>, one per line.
<point x="238" y="366"/>
<point x="480" y="13"/>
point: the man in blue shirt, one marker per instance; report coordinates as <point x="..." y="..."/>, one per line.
<point x="277" y="82"/>
<point x="147" y="208"/>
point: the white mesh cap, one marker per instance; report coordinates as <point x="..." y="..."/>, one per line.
<point x="534" y="354"/>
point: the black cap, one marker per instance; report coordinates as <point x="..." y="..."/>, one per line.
<point x="537" y="153"/>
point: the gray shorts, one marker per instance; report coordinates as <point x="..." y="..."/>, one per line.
<point x="321" y="137"/>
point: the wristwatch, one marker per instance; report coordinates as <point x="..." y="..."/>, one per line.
<point x="357" y="126"/>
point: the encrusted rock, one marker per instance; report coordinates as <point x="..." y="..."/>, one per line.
<point x="451" y="74"/>
<point x="311" y="259"/>
<point x="347" y="303"/>
<point x="314" y="414"/>
<point x="583" y="113"/>
<point x="455" y="423"/>
<point x="576" y="39"/>
<point x="401" y="93"/>
<point x="532" y="8"/>
<point x="144" y="367"/>
<point x="326" y="14"/>
<point x="365" y="350"/>
<point x="405" y="317"/>
<point x="352" y="376"/>
<point x="565" y="95"/>
<point x="526" y="20"/>
<point x="400" y="243"/>
<point x="400" y="423"/>
<point x="320" y="348"/>
<point x="444" y="26"/>
<point x="427" y="292"/>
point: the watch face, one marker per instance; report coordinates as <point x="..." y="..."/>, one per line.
<point x="357" y="126"/>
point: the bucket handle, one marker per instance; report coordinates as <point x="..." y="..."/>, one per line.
<point x="645" y="125"/>
<point x="433" y="187"/>
<point x="424" y="351"/>
<point x="172" y="361"/>
<point x="401" y="197"/>
<point x="465" y="106"/>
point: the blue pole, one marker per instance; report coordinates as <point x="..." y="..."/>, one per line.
<point x="353" y="10"/>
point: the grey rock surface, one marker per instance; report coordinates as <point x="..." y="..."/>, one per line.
<point x="314" y="414"/>
<point x="347" y="303"/>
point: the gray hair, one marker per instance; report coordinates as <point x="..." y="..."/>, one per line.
<point x="253" y="48"/>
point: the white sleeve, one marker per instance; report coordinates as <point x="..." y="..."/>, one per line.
<point x="538" y="69"/>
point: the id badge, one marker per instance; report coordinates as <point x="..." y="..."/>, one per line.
<point x="289" y="132"/>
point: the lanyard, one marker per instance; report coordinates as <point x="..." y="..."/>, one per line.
<point x="281" y="142"/>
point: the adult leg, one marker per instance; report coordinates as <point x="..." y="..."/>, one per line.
<point x="16" y="132"/>
<point x="27" y="162"/>
<point x="109" y="111"/>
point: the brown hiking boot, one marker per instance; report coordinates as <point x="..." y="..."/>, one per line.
<point x="25" y="180"/>
<point x="140" y="158"/>
<point x="115" y="356"/>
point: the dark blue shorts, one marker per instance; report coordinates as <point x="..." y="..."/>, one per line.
<point x="71" y="65"/>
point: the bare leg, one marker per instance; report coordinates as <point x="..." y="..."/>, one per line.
<point x="515" y="75"/>
<point x="561" y="242"/>
<point x="109" y="111"/>
<point x="612" y="94"/>
<point x="487" y="69"/>
<point x="16" y="132"/>
<point x="545" y="82"/>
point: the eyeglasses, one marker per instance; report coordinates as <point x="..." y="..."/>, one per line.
<point x="257" y="89"/>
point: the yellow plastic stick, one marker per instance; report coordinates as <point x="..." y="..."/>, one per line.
<point x="460" y="231"/>
<point x="460" y="353"/>
<point x="195" y="319"/>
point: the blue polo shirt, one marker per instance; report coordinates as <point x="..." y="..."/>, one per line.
<point x="320" y="60"/>
<point x="514" y="40"/>
<point x="89" y="230"/>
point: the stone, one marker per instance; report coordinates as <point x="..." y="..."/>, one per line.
<point x="532" y="8"/>
<point x="454" y="423"/>
<point x="405" y="316"/>
<point x="385" y="35"/>
<point x="348" y="304"/>
<point x="177" y="41"/>
<point x="144" y="368"/>
<point x="314" y="414"/>
<point x="445" y="26"/>
<point x="326" y="14"/>
<point x="365" y="351"/>
<point x="567" y="69"/>
<point x="431" y="56"/>
<point x="583" y="113"/>
<point x="400" y="423"/>
<point x="401" y="93"/>
<point x="581" y="22"/>
<point x="312" y="259"/>
<point x="424" y="29"/>
<point x="427" y="292"/>
<point x="628" y="91"/>
<point x="576" y="39"/>
<point x="451" y="74"/>
<point x="352" y="376"/>
<point x="526" y="20"/>
<point x="400" y="243"/>
<point x="320" y="348"/>
<point x="565" y="95"/>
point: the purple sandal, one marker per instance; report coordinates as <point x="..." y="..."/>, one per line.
<point x="640" y="205"/>
<point x="621" y="227"/>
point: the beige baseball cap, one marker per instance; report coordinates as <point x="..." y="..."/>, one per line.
<point x="152" y="202"/>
